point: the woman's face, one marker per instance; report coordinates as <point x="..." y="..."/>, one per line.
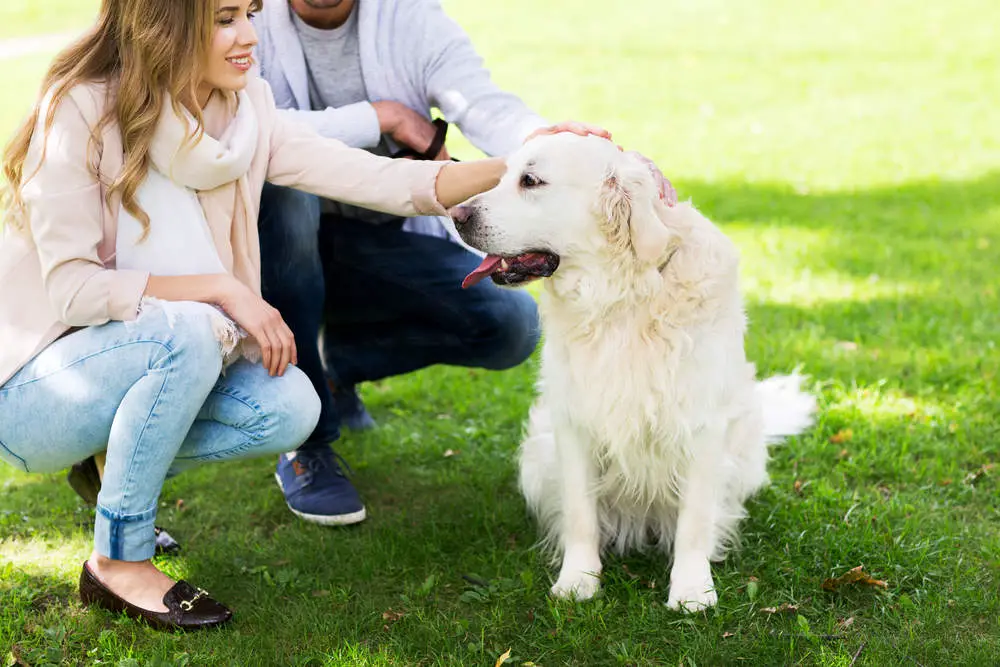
<point x="230" y="54"/>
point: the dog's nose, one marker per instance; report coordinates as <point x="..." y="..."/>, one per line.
<point x="462" y="215"/>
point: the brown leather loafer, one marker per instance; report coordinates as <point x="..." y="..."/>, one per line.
<point x="188" y="608"/>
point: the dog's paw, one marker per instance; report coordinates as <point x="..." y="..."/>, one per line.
<point x="692" y="589"/>
<point x="692" y="601"/>
<point x="576" y="586"/>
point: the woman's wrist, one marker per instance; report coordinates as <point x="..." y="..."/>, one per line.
<point x="224" y="289"/>
<point x="459" y="181"/>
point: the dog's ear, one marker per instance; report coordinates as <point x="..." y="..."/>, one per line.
<point x="628" y="202"/>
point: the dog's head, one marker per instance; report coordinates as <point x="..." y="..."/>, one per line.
<point x="565" y="197"/>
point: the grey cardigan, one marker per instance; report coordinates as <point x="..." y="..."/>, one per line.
<point x="412" y="53"/>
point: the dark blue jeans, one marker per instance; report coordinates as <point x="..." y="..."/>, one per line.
<point x="389" y="301"/>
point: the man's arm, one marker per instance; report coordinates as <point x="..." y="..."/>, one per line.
<point x="458" y="83"/>
<point x="356" y="125"/>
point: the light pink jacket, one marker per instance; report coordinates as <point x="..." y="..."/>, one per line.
<point x="62" y="274"/>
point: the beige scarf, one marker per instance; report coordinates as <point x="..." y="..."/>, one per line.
<point x="217" y="170"/>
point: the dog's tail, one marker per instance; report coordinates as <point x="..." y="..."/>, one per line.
<point x="787" y="409"/>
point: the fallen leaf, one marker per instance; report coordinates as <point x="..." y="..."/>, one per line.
<point x="449" y="453"/>
<point x="503" y="658"/>
<point x="392" y="616"/>
<point x="798" y="486"/>
<point x="842" y="436"/>
<point x="946" y="482"/>
<point x="727" y="635"/>
<point x="786" y="608"/>
<point x="845" y="623"/>
<point x="979" y="473"/>
<point x="855" y="575"/>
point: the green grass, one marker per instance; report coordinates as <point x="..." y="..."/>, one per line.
<point x="853" y="154"/>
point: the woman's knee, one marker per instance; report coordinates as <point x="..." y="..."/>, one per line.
<point x="189" y="335"/>
<point x="291" y="412"/>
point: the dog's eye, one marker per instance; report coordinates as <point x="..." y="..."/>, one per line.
<point x="529" y="180"/>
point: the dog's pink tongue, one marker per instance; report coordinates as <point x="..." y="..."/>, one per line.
<point x="488" y="266"/>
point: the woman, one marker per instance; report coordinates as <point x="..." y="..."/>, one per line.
<point x="129" y="272"/>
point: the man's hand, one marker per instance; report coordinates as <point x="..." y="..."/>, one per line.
<point x="407" y="127"/>
<point x="667" y="193"/>
<point x="583" y="129"/>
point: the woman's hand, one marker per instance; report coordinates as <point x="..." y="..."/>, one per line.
<point x="264" y="323"/>
<point x="583" y="129"/>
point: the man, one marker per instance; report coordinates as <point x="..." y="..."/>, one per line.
<point x="385" y="293"/>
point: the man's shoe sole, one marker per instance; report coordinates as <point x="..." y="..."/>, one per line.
<point x="325" y="519"/>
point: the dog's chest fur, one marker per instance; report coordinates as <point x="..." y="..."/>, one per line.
<point x="618" y="389"/>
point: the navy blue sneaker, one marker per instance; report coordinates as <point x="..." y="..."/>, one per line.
<point x="351" y="410"/>
<point x="316" y="488"/>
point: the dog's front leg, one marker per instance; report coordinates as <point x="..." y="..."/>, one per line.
<point x="691" y="585"/>
<point x="579" y="529"/>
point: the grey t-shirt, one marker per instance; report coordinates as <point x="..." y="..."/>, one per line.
<point x="333" y="63"/>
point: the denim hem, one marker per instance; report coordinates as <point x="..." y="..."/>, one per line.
<point x="128" y="537"/>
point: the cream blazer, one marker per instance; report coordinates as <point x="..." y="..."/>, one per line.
<point x="61" y="273"/>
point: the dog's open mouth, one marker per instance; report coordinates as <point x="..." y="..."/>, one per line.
<point x="514" y="270"/>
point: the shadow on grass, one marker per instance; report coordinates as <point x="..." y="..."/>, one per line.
<point x="923" y="207"/>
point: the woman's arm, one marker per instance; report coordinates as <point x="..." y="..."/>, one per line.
<point x="65" y="214"/>
<point x="301" y="159"/>
<point x="458" y="181"/>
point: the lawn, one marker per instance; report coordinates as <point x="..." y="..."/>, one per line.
<point x="851" y="150"/>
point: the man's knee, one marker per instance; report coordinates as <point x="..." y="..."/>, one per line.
<point x="289" y="229"/>
<point x="511" y="330"/>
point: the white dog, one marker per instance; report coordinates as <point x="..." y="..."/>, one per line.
<point x="650" y="426"/>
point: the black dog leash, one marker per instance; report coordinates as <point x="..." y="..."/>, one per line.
<point x="440" y="135"/>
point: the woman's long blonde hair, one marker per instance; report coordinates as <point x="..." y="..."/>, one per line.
<point x="147" y="49"/>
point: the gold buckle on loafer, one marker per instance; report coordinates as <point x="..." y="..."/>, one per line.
<point x="188" y="605"/>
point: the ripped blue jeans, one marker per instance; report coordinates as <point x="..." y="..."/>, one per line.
<point x="151" y="393"/>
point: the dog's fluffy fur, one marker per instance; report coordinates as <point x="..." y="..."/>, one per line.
<point x="649" y="428"/>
